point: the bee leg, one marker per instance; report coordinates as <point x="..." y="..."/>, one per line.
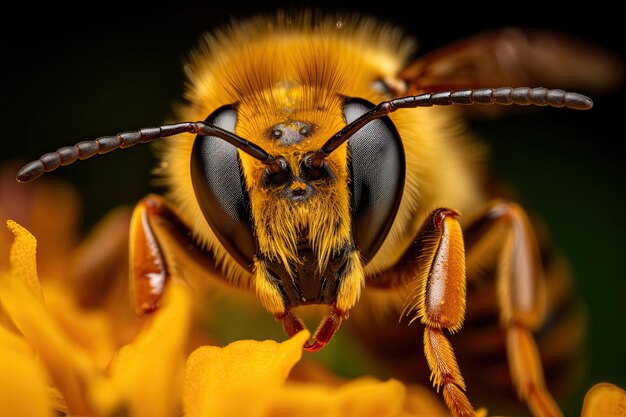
<point x="157" y="237"/>
<point x="520" y="288"/>
<point x="438" y="299"/>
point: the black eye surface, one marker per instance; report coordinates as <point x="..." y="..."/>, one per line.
<point x="377" y="169"/>
<point x="220" y="190"/>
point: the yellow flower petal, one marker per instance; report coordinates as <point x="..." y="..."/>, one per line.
<point x="422" y="401"/>
<point x="604" y="400"/>
<point x="89" y="329"/>
<point x="21" y="297"/>
<point x="149" y="371"/>
<point x="362" y="397"/>
<point x="212" y="373"/>
<point x="23" y="381"/>
<point x="367" y="397"/>
<point x="23" y="257"/>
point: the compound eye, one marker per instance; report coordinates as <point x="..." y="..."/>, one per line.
<point x="377" y="169"/>
<point x="220" y="189"/>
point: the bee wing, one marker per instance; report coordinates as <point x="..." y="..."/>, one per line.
<point x="514" y="57"/>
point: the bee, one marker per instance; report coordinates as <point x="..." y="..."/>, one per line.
<point x="316" y="164"/>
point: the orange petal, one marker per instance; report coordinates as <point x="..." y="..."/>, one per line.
<point x="604" y="400"/>
<point x="92" y="330"/>
<point x="363" y="397"/>
<point x="148" y="372"/>
<point x="23" y="381"/>
<point x="213" y="373"/>
<point x="22" y="258"/>
<point x="422" y="401"/>
<point x="23" y="302"/>
<point x="367" y="397"/>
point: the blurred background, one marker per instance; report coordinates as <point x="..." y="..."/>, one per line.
<point x="119" y="67"/>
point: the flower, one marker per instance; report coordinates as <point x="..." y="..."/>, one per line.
<point x="46" y="371"/>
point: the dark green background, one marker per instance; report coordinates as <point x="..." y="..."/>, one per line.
<point x="117" y="68"/>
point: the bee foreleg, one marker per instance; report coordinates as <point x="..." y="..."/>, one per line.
<point x="438" y="300"/>
<point x="521" y="295"/>
<point x="158" y="237"/>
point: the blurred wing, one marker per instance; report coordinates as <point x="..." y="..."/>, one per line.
<point x="514" y="57"/>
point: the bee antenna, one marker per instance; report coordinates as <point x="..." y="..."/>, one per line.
<point x="524" y="96"/>
<point x="83" y="150"/>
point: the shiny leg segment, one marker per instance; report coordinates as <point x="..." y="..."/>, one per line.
<point x="437" y="299"/>
<point x="159" y="241"/>
<point x="521" y="294"/>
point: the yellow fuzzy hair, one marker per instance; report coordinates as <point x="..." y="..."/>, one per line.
<point x="296" y="68"/>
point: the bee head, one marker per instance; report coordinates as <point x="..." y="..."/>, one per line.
<point x="305" y="231"/>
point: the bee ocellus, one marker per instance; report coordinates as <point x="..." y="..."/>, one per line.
<point x="316" y="163"/>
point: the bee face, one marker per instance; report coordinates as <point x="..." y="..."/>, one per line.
<point x="301" y="217"/>
<point x="303" y="228"/>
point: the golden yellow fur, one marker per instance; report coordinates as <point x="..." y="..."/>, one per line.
<point x="285" y="68"/>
